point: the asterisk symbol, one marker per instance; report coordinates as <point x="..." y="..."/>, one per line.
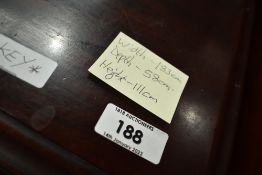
<point x="34" y="69"/>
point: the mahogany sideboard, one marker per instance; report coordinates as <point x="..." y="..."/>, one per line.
<point x="50" y="130"/>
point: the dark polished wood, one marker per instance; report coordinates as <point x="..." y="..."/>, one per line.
<point x="247" y="154"/>
<point x="51" y="130"/>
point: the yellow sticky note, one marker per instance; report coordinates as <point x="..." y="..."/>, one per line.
<point x="141" y="75"/>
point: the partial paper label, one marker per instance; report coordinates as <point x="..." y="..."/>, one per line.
<point x="25" y="63"/>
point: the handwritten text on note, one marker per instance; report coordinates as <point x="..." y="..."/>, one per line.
<point x="25" y="63"/>
<point x="141" y="75"/>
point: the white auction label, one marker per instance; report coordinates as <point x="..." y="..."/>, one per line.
<point x="132" y="133"/>
<point x="25" y="63"/>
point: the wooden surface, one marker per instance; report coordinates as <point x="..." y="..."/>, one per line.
<point x="51" y="130"/>
<point x="247" y="154"/>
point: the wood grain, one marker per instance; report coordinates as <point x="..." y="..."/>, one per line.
<point x="202" y="38"/>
